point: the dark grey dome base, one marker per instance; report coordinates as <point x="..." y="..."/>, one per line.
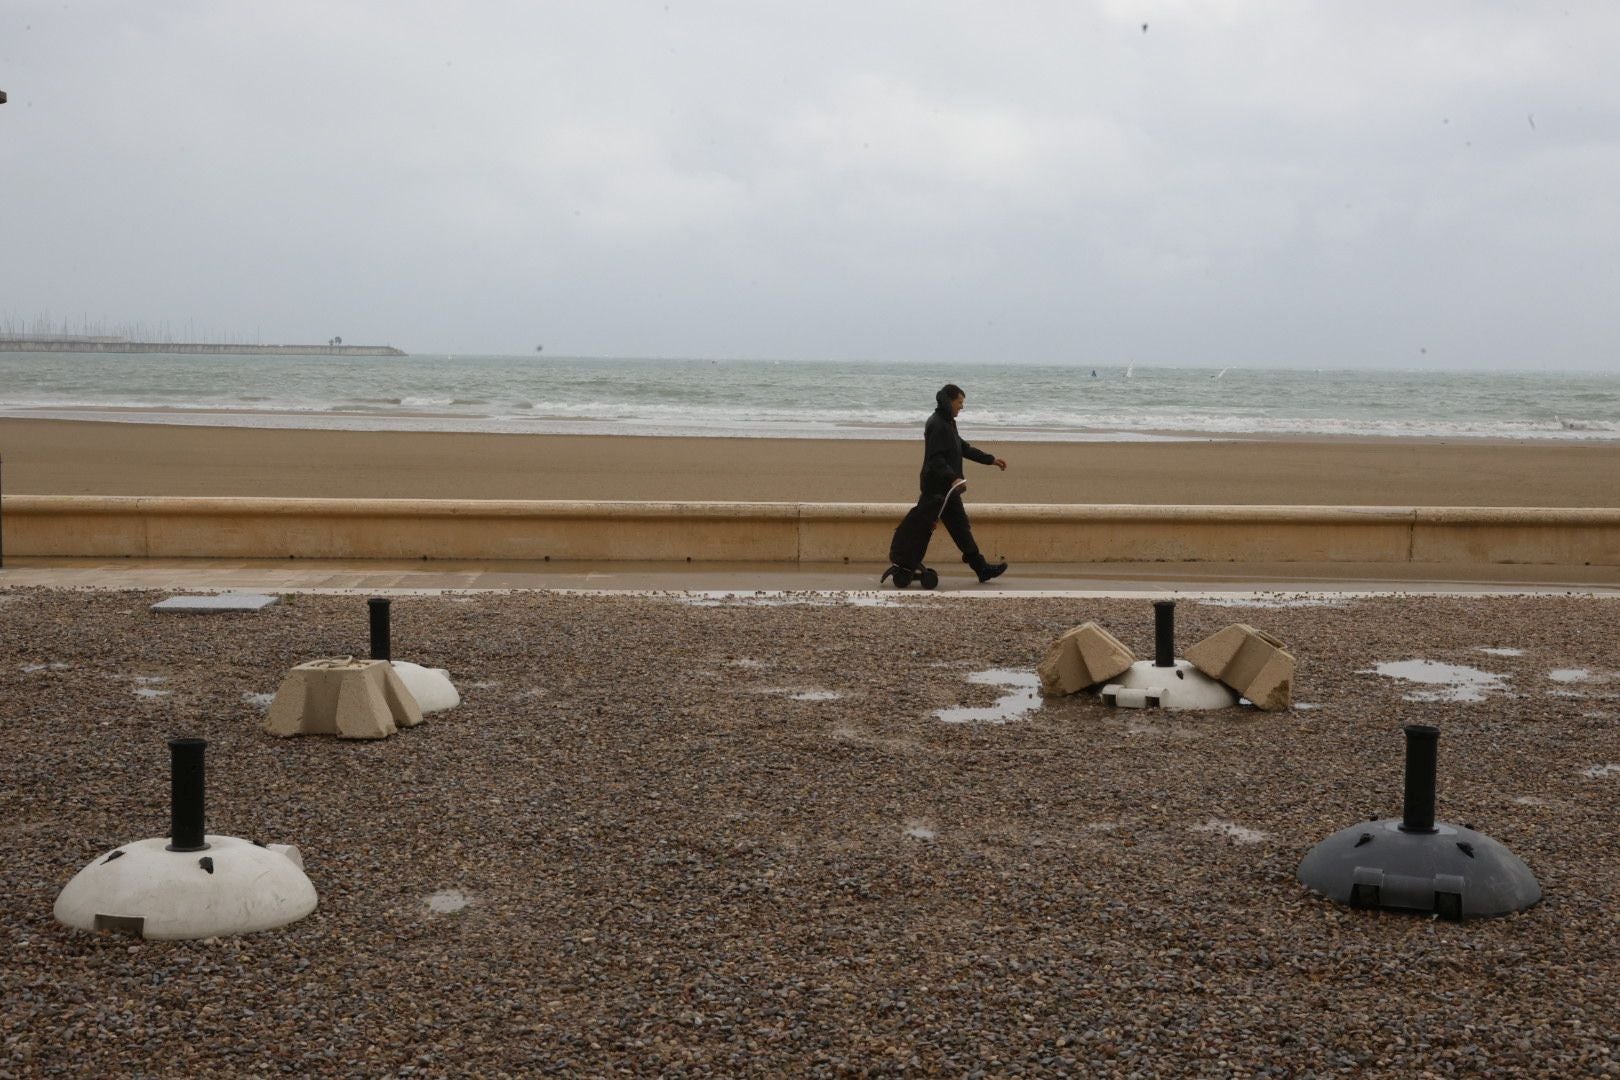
<point x="1453" y="872"/>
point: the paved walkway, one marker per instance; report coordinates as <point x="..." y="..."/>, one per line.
<point x="281" y="576"/>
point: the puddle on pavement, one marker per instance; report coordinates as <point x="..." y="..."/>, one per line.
<point x="1450" y="682"/>
<point x="1022" y="698"/>
<point x="726" y="599"/>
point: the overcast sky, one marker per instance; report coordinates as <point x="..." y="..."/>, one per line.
<point x="1311" y="184"/>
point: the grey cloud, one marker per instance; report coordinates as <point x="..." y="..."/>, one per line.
<point x="1246" y="183"/>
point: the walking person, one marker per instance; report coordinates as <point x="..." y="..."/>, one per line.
<point x="943" y="452"/>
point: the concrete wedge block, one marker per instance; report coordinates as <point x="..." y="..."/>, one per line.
<point x="1251" y="662"/>
<point x="1082" y="658"/>
<point x="349" y="698"/>
<point x="402" y="704"/>
<point x="287" y="709"/>
<point x="362" y="710"/>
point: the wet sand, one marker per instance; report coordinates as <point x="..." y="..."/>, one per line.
<point x="66" y="457"/>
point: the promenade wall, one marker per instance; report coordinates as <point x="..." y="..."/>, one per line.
<point x="68" y="526"/>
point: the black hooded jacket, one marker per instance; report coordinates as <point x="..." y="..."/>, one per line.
<point x="943" y="451"/>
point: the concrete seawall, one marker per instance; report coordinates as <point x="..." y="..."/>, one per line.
<point x="68" y="526"/>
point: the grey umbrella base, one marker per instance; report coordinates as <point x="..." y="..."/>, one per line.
<point x="1453" y="871"/>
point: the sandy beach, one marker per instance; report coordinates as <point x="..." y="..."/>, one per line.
<point x="667" y="839"/>
<point x="107" y="458"/>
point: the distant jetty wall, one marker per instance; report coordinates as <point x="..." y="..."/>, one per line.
<point x="35" y="345"/>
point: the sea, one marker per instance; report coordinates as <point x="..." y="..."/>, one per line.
<point x="804" y="399"/>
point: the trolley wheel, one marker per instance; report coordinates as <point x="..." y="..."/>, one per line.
<point x="902" y="577"/>
<point x="930" y="578"/>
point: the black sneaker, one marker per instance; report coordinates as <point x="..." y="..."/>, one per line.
<point x="991" y="570"/>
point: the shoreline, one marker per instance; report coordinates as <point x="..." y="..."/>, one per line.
<point x="431" y="421"/>
<point x="79" y="457"/>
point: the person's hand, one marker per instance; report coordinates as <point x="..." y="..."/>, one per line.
<point x="1000" y="464"/>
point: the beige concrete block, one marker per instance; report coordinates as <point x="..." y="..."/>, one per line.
<point x="1250" y="661"/>
<point x="349" y="698"/>
<point x="1082" y="657"/>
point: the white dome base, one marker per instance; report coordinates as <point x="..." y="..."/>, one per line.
<point x="145" y="890"/>
<point x="431" y="687"/>
<point x="1179" y="687"/>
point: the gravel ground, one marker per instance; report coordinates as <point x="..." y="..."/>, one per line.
<point x="663" y="838"/>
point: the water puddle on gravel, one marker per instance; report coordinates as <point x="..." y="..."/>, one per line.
<point x="29" y="669"/>
<point x="147" y="690"/>
<point x="448" y="901"/>
<point x="1232" y="829"/>
<point x="1271" y="601"/>
<point x="1451" y="682"/>
<point x="1488" y="651"/>
<point x="725" y="599"/>
<point x="1601" y="772"/>
<point x="918" y="830"/>
<point x="816" y="695"/>
<point x="1569" y="675"/>
<point x="1022" y="698"/>
<point x="261" y="701"/>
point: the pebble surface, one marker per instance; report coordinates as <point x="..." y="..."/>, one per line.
<point x="663" y="864"/>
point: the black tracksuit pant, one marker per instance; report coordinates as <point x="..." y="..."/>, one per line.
<point x="955" y="520"/>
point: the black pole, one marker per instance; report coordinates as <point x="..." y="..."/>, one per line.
<point x="381" y="648"/>
<point x="186" y="794"/>
<point x="1418" y="814"/>
<point x="1164" y="633"/>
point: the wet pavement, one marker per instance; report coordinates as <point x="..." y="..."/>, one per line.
<point x="728" y="579"/>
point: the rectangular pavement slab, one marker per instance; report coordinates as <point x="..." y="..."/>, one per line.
<point x="238" y="601"/>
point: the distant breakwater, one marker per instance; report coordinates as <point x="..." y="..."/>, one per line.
<point x="19" y="345"/>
